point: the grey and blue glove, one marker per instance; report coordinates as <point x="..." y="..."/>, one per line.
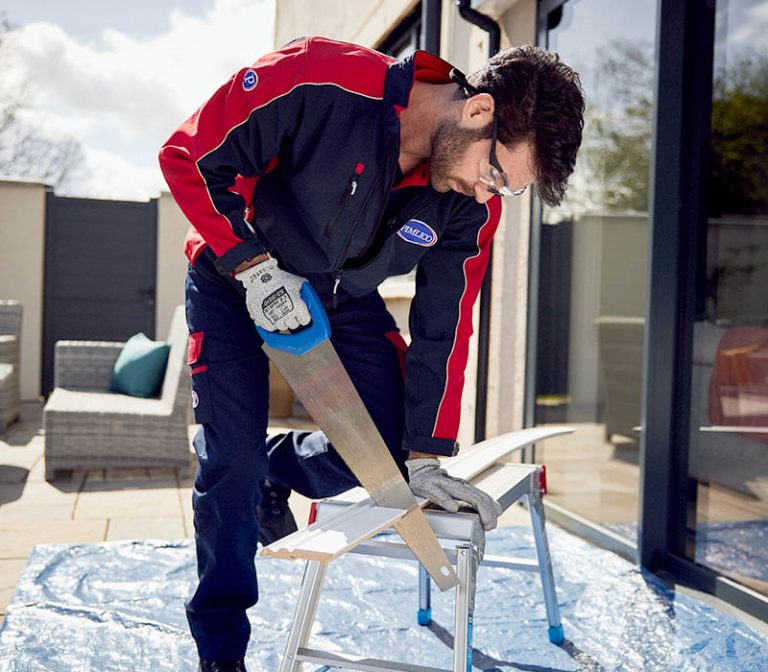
<point x="272" y="297"/>
<point x="428" y="480"/>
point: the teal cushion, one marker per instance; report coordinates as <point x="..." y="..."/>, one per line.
<point x="140" y="367"/>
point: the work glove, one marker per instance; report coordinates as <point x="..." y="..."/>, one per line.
<point x="272" y="297"/>
<point x="428" y="480"/>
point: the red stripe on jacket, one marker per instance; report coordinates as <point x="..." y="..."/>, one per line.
<point x="330" y="63"/>
<point x="208" y="127"/>
<point x="278" y="74"/>
<point x="449" y="410"/>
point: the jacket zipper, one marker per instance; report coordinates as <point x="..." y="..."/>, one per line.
<point x="336" y="283"/>
<point x="393" y="220"/>
<point x="339" y="270"/>
<point x="349" y="192"/>
<point x="340" y="260"/>
<point x="390" y="225"/>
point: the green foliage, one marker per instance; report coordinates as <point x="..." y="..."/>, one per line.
<point x="616" y="154"/>
<point x="740" y="139"/>
<point x="621" y="127"/>
<point x="613" y="167"/>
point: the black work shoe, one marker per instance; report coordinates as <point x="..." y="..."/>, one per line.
<point x="228" y="666"/>
<point x="275" y="518"/>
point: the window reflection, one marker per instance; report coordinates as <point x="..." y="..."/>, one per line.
<point x="729" y="394"/>
<point x="594" y="266"/>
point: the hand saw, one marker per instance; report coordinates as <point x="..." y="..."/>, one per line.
<point x="310" y="365"/>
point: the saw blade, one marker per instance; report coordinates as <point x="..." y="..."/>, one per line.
<point x="320" y="381"/>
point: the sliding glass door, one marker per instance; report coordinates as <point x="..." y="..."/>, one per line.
<point x="593" y="266"/>
<point x="728" y="453"/>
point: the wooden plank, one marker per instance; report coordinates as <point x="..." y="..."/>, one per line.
<point x="486" y="453"/>
<point x="337" y="536"/>
<point x="506" y="483"/>
<point x="298" y="537"/>
<point x="362" y="520"/>
<point x="499" y="479"/>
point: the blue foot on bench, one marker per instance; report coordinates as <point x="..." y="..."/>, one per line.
<point x="556" y="634"/>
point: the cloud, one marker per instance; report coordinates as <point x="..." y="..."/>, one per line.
<point x="124" y="97"/>
<point x="107" y="175"/>
<point x="748" y="29"/>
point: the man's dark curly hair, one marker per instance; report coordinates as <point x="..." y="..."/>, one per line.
<point x="539" y="100"/>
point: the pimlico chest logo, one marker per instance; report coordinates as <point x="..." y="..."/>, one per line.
<point x="416" y="232"/>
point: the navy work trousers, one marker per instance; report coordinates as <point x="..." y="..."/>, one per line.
<point x="230" y="382"/>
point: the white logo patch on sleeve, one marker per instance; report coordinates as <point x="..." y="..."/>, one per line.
<point x="418" y="233"/>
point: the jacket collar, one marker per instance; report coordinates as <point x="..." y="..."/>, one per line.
<point x="422" y="66"/>
<point x="425" y="67"/>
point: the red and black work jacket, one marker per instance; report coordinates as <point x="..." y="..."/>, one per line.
<point x="298" y="155"/>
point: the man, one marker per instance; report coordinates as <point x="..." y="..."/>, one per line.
<point x="334" y="164"/>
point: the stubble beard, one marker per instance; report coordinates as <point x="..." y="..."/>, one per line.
<point x="449" y="145"/>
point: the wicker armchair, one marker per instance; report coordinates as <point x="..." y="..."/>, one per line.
<point x="10" y="335"/>
<point x="88" y="427"/>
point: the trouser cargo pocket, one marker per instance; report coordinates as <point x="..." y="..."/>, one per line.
<point x="201" y="386"/>
<point x="201" y="395"/>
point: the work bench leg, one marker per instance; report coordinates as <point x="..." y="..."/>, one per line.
<point x="536" y="508"/>
<point x="467" y="562"/>
<point x="424" y="616"/>
<point x="306" y="609"/>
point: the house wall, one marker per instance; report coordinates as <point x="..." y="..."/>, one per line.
<point x="22" y="258"/>
<point x="22" y="267"/>
<point x="172" y="226"/>
<point x="349" y="20"/>
<point x="509" y="307"/>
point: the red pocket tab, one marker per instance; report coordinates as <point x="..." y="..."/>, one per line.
<point x="396" y="338"/>
<point x="195" y="348"/>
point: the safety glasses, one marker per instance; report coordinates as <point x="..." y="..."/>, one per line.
<point x="491" y="174"/>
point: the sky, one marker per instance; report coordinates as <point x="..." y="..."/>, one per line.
<point x="120" y="76"/>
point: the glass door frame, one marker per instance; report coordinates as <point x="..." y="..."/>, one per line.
<point x="565" y="518"/>
<point x="685" y="35"/>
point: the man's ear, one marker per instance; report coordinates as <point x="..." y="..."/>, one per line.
<point x="477" y="111"/>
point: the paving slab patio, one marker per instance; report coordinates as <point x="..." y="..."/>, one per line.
<point x="93" y="505"/>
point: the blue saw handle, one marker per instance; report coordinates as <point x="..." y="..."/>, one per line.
<point x="302" y="341"/>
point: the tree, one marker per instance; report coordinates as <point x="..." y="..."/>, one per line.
<point x="613" y="167"/>
<point x="620" y="156"/>
<point x="740" y="139"/>
<point x="25" y="150"/>
<point x="614" y="163"/>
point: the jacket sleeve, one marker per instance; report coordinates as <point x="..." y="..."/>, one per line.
<point x="234" y="138"/>
<point x="448" y="280"/>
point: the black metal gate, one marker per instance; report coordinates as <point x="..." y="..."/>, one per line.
<point x="100" y="272"/>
